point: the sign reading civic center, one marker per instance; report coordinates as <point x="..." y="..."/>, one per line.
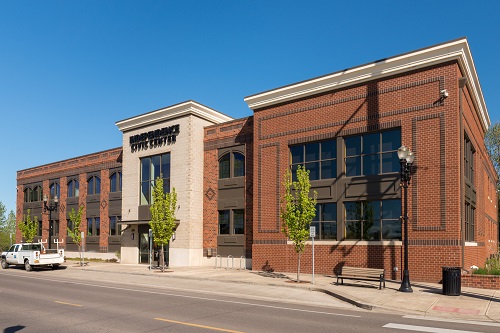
<point x="153" y="139"/>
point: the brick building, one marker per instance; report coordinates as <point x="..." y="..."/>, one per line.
<point x="345" y="128"/>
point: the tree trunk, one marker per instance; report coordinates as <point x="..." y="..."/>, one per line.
<point x="162" y="259"/>
<point x="298" y="270"/>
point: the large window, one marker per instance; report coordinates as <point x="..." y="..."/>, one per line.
<point x="231" y="164"/>
<point x="33" y="194"/>
<point x="93" y="226"/>
<point x="54" y="190"/>
<point x="372" y="154"/>
<point x="115" y="182"/>
<point x="469" y="152"/>
<point x="325" y="221"/>
<point x="93" y="185"/>
<point x="232" y="222"/>
<point x="373" y="220"/>
<point x="470" y="207"/>
<point x="113" y="225"/>
<point x="152" y="168"/>
<point x="73" y="188"/>
<point x="320" y="158"/>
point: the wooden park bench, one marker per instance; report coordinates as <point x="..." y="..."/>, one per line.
<point x="365" y="274"/>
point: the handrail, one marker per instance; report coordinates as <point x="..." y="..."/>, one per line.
<point x="244" y="263"/>
<point x="232" y="262"/>
<point x="218" y="256"/>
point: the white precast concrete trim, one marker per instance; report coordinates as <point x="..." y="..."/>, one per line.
<point x="172" y="112"/>
<point x="455" y="50"/>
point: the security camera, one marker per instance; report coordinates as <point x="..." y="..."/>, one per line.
<point x="444" y="93"/>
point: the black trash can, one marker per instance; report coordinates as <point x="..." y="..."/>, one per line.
<point x="452" y="283"/>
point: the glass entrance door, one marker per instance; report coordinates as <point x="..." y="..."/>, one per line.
<point x="143" y="244"/>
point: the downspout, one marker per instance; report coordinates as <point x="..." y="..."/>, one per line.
<point x="461" y="84"/>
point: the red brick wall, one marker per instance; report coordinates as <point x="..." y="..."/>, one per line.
<point x="233" y="133"/>
<point x="59" y="171"/>
<point x="429" y="126"/>
<point x="481" y="281"/>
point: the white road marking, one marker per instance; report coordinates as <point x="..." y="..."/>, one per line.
<point x="190" y="297"/>
<point x="425" y="329"/>
<point x="457" y="321"/>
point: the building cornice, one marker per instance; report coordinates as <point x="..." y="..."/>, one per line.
<point x="457" y="50"/>
<point x="172" y="112"/>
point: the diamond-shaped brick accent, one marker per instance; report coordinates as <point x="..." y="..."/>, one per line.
<point x="104" y="203"/>
<point x="210" y="194"/>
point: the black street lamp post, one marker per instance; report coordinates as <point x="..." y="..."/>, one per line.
<point x="406" y="157"/>
<point x="50" y="206"/>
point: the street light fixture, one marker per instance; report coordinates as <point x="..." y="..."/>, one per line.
<point x="406" y="158"/>
<point x="50" y="206"/>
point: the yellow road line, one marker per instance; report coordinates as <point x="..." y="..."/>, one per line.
<point x="67" y="303"/>
<point x="196" y="325"/>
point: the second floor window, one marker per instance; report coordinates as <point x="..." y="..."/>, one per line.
<point x="93" y="185"/>
<point x="231" y="164"/>
<point x="372" y="154"/>
<point x="152" y="168"/>
<point x="33" y="194"/>
<point x="54" y="190"/>
<point x="320" y="158"/>
<point x="115" y="182"/>
<point x="73" y="188"/>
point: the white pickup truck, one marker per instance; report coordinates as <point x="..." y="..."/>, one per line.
<point x="31" y="255"/>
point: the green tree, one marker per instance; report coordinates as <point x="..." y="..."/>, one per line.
<point x="298" y="210"/>
<point x="75" y="232"/>
<point x="29" y="227"/>
<point x="492" y="142"/>
<point x="7" y="227"/>
<point x="162" y="216"/>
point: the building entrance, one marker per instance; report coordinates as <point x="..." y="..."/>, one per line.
<point x="144" y="247"/>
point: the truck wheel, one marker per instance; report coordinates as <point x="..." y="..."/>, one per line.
<point x="27" y="266"/>
<point x="5" y="264"/>
<point x="55" y="266"/>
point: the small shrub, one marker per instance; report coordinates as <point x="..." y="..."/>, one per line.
<point x="491" y="267"/>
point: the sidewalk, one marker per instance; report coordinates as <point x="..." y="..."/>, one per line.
<point x="426" y="300"/>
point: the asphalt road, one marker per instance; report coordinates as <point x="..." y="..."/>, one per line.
<point x="56" y="301"/>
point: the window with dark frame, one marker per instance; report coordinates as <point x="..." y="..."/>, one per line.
<point x="93" y="226"/>
<point x="113" y="225"/>
<point x="93" y="185"/>
<point x="320" y="158"/>
<point x="153" y="167"/>
<point x="470" y="207"/>
<point x="34" y="194"/>
<point x="372" y="153"/>
<point x="231" y="165"/>
<point x="73" y="188"/>
<point x="55" y="189"/>
<point x="373" y="220"/>
<point x="115" y="182"/>
<point x="325" y="221"/>
<point x="232" y="222"/>
<point x="69" y="227"/>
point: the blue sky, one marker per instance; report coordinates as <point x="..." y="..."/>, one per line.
<point x="70" y="69"/>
